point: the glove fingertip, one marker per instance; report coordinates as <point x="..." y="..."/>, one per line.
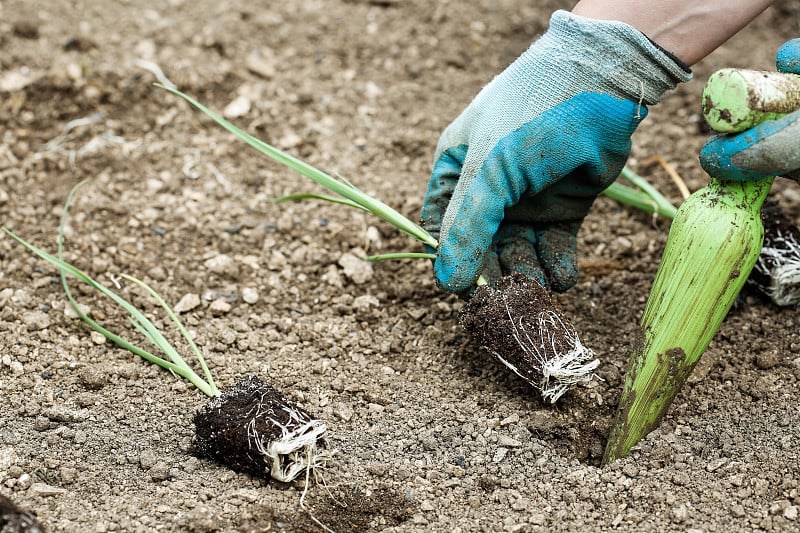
<point x="788" y="57"/>
<point x="557" y="248"/>
<point x="562" y="275"/>
<point x="455" y="276"/>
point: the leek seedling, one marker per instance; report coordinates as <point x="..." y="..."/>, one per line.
<point x="250" y="427"/>
<point x="552" y="371"/>
<point x="539" y="344"/>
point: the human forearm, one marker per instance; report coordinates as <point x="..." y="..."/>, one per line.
<point x="689" y="29"/>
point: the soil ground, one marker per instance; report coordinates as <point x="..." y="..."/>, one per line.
<point x="432" y="433"/>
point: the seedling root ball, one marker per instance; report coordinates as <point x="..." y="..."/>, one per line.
<point x="253" y="428"/>
<point x="518" y="321"/>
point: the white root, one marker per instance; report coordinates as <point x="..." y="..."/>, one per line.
<point x="295" y="452"/>
<point x="297" y="448"/>
<point x="780" y="263"/>
<point x="561" y="370"/>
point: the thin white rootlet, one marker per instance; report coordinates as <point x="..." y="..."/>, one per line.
<point x="561" y="370"/>
<point x="780" y="262"/>
<point x="297" y="448"/>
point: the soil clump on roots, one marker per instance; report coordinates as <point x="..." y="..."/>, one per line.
<point x="15" y="520"/>
<point x="253" y="428"/>
<point x="519" y="322"/>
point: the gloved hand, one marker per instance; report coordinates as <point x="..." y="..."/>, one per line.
<point x="770" y="149"/>
<point x="516" y="173"/>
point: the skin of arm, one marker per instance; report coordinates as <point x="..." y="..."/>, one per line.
<point x="689" y="29"/>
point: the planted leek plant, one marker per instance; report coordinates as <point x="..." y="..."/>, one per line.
<point x="544" y="348"/>
<point x="250" y="427"/>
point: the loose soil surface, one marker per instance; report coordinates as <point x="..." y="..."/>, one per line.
<point x="432" y="433"/>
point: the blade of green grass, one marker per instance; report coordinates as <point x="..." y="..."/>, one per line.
<point x="175" y="363"/>
<point x="400" y="255"/>
<point x="312" y="196"/>
<point x="339" y="185"/>
<point x="645" y="197"/>
<point x="178" y="324"/>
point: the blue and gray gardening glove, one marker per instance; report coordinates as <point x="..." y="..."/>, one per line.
<point x="515" y="174"/>
<point x="770" y="149"/>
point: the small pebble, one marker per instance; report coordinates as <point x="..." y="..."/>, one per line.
<point x="345" y="412"/>
<point x="376" y="468"/>
<point x="499" y="455"/>
<point x="8" y="457"/>
<point x="239" y="107"/>
<point x="512" y="419"/>
<point x="70" y="312"/>
<point x="36" y="320"/>
<point x="356" y="269"/>
<point x="365" y="301"/>
<point x="250" y="295"/>
<point x="508" y="442"/>
<point x="262" y="63"/>
<point x="219" y="307"/>
<point x="160" y="471"/>
<point x="43" y="489"/>
<point x="630" y="470"/>
<point x="222" y="264"/>
<point x="68" y="475"/>
<point x="24" y="481"/>
<point x="92" y="377"/>
<point x="187" y="303"/>
<point x="147" y="458"/>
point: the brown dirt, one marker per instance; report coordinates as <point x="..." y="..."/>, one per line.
<point x="432" y="433"/>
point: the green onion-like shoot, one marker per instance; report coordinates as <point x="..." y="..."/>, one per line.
<point x="250" y="427"/>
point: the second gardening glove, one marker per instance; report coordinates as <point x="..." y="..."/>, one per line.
<point x="769" y="149"/>
<point x="516" y="173"/>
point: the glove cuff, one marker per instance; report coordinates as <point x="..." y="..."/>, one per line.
<point x="614" y="57"/>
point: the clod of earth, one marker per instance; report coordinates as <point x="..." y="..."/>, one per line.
<point x="253" y="428"/>
<point x="15" y="520"/>
<point x="518" y="321"/>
